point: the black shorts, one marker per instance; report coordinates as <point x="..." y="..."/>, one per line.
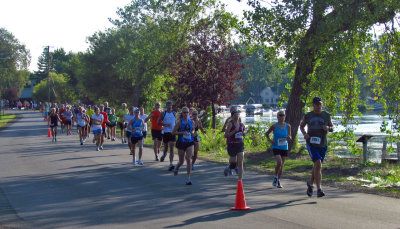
<point x="83" y="127"/>
<point x="183" y="145"/>
<point x="67" y="122"/>
<point x="103" y="130"/>
<point x="168" y="137"/>
<point x="128" y="134"/>
<point x="121" y="125"/>
<point x="156" y="134"/>
<point x="235" y="148"/>
<point x="135" y="140"/>
<point x="281" y="152"/>
<point x="111" y="125"/>
<point x="144" y="134"/>
<point x="53" y="124"/>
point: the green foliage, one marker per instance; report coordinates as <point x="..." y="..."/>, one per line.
<point x="255" y="139"/>
<point x="60" y="91"/>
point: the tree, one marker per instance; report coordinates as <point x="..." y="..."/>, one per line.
<point x="59" y="89"/>
<point x="155" y="29"/>
<point x="14" y="61"/>
<point x="307" y="31"/>
<point x="207" y="72"/>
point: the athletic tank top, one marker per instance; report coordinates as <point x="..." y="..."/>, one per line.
<point x="98" y="118"/>
<point x="280" y="137"/>
<point x="187" y="127"/>
<point x="169" y="118"/>
<point x="154" y="118"/>
<point x="238" y="136"/>
<point x="68" y="115"/>
<point x="53" y="120"/>
<point x="136" y="128"/>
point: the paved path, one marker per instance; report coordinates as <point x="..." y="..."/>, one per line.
<point x="65" y="185"/>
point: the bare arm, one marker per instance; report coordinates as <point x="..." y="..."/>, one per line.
<point x="270" y="129"/>
<point x="176" y="127"/>
<point x="289" y="131"/>
<point x="148" y="117"/>
<point x="303" y="131"/>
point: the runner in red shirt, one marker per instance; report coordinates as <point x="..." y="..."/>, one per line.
<point x="62" y="117"/>
<point x="103" y="125"/>
<point x="155" y="129"/>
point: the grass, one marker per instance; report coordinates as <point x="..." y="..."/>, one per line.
<point x="6" y="118"/>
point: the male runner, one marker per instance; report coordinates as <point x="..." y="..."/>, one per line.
<point x="167" y="120"/>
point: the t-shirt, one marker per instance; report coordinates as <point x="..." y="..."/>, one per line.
<point x="127" y="119"/>
<point x="90" y="112"/>
<point x="96" y="117"/>
<point x="121" y="114"/>
<point x="113" y="119"/>
<point x="144" y="116"/>
<point x="105" y="120"/>
<point x="68" y="115"/>
<point x="314" y="128"/>
<point x="61" y="112"/>
<point x="154" y="118"/>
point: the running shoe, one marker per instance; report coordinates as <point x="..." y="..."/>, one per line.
<point x="97" y="149"/>
<point x="108" y="138"/>
<point x="188" y="182"/>
<point x="140" y="162"/>
<point x="279" y="184"/>
<point x="309" y="189"/>
<point x="131" y="153"/>
<point x="101" y="147"/>
<point x="81" y="142"/>
<point x="226" y="170"/>
<point x="156" y="158"/>
<point x="133" y="161"/>
<point x="275" y="182"/>
<point x="320" y="193"/>
<point x="192" y="167"/>
<point x="236" y="170"/>
<point x="175" y="172"/>
<point x="55" y="139"/>
<point x="163" y="157"/>
<point x="171" y="167"/>
<point x="122" y="141"/>
<point x="113" y="139"/>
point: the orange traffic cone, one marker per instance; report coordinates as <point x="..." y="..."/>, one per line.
<point x="240" y="203"/>
<point x="49" y="133"/>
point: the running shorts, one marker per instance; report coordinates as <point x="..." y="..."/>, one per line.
<point x="68" y="122"/>
<point x="98" y="131"/>
<point x="317" y="153"/>
<point x="144" y="134"/>
<point x="121" y="125"/>
<point x="128" y="134"/>
<point x="135" y="140"/>
<point x="183" y="145"/>
<point x="103" y="130"/>
<point x="168" y="137"/>
<point x="156" y="134"/>
<point x="281" y="152"/>
<point x="235" y="148"/>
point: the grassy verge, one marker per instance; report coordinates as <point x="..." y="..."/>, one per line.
<point x="6" y="118"/>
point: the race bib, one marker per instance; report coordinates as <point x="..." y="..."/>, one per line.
<point x="187" y="136"/>
<point x="282" y="142"/>
<point x="315" y="140"/>
<point x="138" y="129"/>
<point x="239" y="135"/>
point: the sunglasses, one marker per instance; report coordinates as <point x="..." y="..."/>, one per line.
<point x="185" y="112"/>
<point x="281" y="115"/>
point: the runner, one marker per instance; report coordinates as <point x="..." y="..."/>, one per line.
<point x="234" y="138"/>
<point x="128" y="132"/>
<point x="136" y="127"/>
<point x="61" y="111"/>
<point x="121" y="114"/>
<point x="185" y="144"/>
<point x="103" y="125"/>
<point x="318" y="123"/>
<point x="232" y="109"/>
<point x="107" y="109"/>
<point x="113" y="123"/>
<point x="54" y="118"/>
<point x="155" y="129"/>
<point x="97" y="120"/>
<point x="167" y="120"/>
<point x="89" y="113"/>
<point x="75" y="113"/>
<point x="282" y="134"/>
<point x="143" y="116"/>
<point x="81" y="121"/>
<point x="197" y="125"/>
<point x="68" y="119"/>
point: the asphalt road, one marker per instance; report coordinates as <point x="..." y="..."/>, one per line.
<point x="66" y="185"/>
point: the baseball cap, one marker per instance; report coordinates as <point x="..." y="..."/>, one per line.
<point x="317" y="100"/>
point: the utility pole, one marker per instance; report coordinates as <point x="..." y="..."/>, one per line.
<point x="48" y="72"/>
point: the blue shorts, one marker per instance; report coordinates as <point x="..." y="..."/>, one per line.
<point x="98" y="131"/>
<point x="317" y="153"/>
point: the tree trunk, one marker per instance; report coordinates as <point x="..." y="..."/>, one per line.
<point x="213" y="115"/>
<point x="137" y="89"/>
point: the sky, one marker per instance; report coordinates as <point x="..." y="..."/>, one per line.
<point x="63" y="23"/>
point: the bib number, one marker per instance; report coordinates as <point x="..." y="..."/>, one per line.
<point x="315" y="140"/>
<point x="187" y="136"/>
<point x="239" y="135"/>
<point x="138" y="129"/>
<point x="282" y="142"/>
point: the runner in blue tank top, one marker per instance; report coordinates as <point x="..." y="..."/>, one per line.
<point x="185" y="144"/>
<point x="136" y="127"/>
<point x="279" y="145"/>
